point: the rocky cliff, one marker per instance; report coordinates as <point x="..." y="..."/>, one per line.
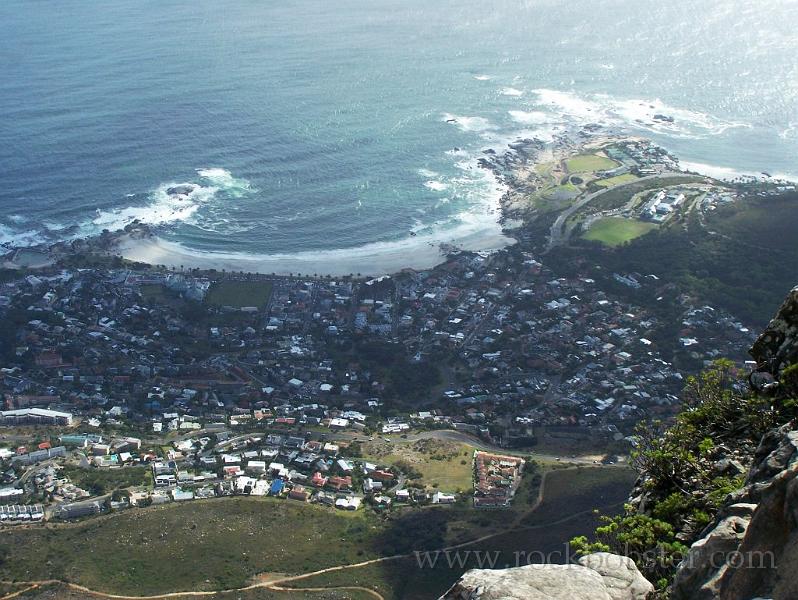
<point x="749" y="549"/>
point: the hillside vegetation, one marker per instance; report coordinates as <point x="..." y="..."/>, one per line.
<point x="742" y="259"/>
<point x="688" y="469"/>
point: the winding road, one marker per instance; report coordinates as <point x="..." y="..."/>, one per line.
<point x="557" y="234"/>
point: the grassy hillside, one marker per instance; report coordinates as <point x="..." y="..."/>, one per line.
<point x="224" y="543"/>
<point x="523" y="536"/>
<point x="743" y="261"/>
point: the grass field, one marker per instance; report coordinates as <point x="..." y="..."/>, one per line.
<point x="62" y="592"/>
<point x="207" y="544"/>
<point x="584" y="163"/>
<point x="239" y="293"/>
<point x="446" y="466"/>
<point x="617" y="180"/>
<point x="614" y="231"/>
<point x="565" y="191"/>
<point x="102" y="481"/>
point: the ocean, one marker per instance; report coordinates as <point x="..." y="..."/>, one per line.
<point x="323" y="130"/>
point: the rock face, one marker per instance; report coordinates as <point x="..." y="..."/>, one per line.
<point x="598" y="576"/>
<point x="777" y="346"/>
<point x="751" y="548"/>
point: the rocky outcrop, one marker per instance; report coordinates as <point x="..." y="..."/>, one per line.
<point x="777" y="346"/>
<point x="598" y="576"/>
<point x="751" y="550"/>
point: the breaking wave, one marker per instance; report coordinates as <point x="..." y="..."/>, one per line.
<point x="169" y="204"/>
<point x="475" y="124"/>
<point x="654" y="116"/>
<point x="10" y="237"/>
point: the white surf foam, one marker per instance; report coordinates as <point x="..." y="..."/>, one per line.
<point x="650" y="115"/>
<point x="510" y="91"/>
<point x="224" y="180"/>
<point x="436" y="186"/>
<point x="567" y="104"/>
<point x="11" y="237"/>
<point x="729" y="173"/>
<point x="534" y="117"/>
<point x="482" y="77"/>
<point x="789" y="132"/>
<point x="173" y="202"/>
<point x="471" y="124"/>
<point x="165" y="207"/>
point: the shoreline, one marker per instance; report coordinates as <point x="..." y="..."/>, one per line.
<point x="514" y="170"/>
<point x="371" y="260"/>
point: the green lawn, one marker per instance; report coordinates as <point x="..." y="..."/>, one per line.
<point x="239" y="293"/>
<point x="614" y="231"/>
<point x="617" y="180"/>
<point x="584" y="163"/>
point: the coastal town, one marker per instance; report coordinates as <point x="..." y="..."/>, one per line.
<point x="119" y="369"/>
<point x="126" y="384"/>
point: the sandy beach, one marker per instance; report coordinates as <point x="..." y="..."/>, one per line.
<point x="372" y="259"/>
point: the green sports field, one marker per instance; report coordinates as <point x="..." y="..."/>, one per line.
<point x="584" y="163"/>
<point x="614" y="231"/>
<point x="239" y="293"/>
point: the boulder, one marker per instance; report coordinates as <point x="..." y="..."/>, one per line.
<point x="699" y="574"/>
<point x="599" y="576"/>
<point x="183" y="189"/>
<point x="621" y="577"/>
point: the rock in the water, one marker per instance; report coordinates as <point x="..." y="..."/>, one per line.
<point x="181" y="190"/>
<point x="599" y="576"/>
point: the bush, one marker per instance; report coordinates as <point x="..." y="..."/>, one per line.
<point x="650" y="542"/>
<point x="683" y="490"/>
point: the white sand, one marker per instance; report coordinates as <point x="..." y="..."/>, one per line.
<point x="372" y="259"/>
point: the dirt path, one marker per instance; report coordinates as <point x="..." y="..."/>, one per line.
<point x="368" y="591"/>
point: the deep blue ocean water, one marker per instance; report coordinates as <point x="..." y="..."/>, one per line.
<point x="309" y="125"/>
